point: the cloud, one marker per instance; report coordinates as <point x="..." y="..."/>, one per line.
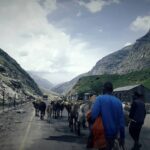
<point x="95" y="6"/>
<point x="23" y="54"/>
<point x="65" y="76"/>
<point x="141" y="24"/>
<point x="37" y="45"/>
<point x="48" y="5"/>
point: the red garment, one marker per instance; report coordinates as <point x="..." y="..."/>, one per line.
<point x="99" y="140"/>
<point x="98" y="133"/>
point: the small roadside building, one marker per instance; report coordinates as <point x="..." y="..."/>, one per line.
<point x="86" y="96"/>
<point x="45" y="97"/>
<point x="79" y="96"/>
<point x="126" y="93"/>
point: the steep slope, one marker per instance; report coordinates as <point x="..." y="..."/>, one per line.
<point x="128" y="59"/>
<point x="95" y="82"/>
<point x="43" y="84"/>
<point x="67" y="86"/>
<point x="14" y="78"/>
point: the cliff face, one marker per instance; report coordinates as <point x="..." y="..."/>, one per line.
<point x="14" y="78"/>
<point x="131" y="58"/>
<point x="111" y="63"/>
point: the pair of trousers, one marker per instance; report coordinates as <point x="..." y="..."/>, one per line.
<point x="134" y="130"/>
<point x="110" y="143"/>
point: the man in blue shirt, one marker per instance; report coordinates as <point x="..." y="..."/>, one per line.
<point x="110" y="109"/>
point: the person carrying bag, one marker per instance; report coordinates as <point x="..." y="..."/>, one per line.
<point x="109" y="109"/>
<point x="99" y="140"/>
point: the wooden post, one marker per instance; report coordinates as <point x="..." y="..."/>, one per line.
<point x="3" y="93"/>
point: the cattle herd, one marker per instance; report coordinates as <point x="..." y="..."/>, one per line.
<point x="76" y="112"/>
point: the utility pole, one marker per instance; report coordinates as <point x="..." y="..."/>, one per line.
<point x="3" y="94"/>
<point x="15" y="101"/>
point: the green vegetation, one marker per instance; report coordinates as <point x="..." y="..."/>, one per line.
<point x="95" y="83"/>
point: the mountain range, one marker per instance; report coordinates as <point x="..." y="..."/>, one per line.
<point x="43" y="84"/>
<point x="131" y="58"/>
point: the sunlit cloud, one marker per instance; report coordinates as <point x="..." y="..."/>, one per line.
<point x="141" y="24"/>
<point x="95" y="6"/>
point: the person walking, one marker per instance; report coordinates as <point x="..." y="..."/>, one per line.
<point x="92" y="98"/>
<point x="109" y="108"/>
<point x="137" y="115"/>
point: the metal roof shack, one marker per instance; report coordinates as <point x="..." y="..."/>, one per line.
<point x="126" y="93"/>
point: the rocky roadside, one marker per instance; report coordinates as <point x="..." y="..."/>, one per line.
<point x="9" y="121"/>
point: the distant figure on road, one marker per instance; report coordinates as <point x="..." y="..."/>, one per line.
<point x="42" y="108"/>
<point x="137" y="116"/>
<point x="109" y="108"/>
<point x="85" y="108"/>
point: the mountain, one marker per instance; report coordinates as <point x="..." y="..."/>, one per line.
<point x="111" y="63"/>
<point x="67" y="86"/>
<point x="14" y="79"/>
<point x="43" y="84"/>
<point x="95" y="82"/>
<point x="129" y="59"/>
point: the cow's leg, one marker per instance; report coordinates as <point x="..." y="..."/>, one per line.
<point x="78" y="127"/>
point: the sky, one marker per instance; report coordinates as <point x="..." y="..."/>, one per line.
<point x="60" y="39"/>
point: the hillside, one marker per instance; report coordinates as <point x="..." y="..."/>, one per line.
<point x="43" y="84"/>
<point x="14" y="79"/>
<point x="95" y="82"/>
<point x="129" y="59"/>
<point x="67" y="86"/>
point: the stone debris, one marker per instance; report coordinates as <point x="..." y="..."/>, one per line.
<point x="21" y="111"/>
<point x="11" y="120"/>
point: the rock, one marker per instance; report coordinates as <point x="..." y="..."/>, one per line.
<point x="1" y="126"/>
<point x="21" y="111"/>
<point x="13" y="75"/>
<point x="18" y="121"/>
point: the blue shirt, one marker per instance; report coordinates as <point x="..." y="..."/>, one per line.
<point x="111" y="111"/>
